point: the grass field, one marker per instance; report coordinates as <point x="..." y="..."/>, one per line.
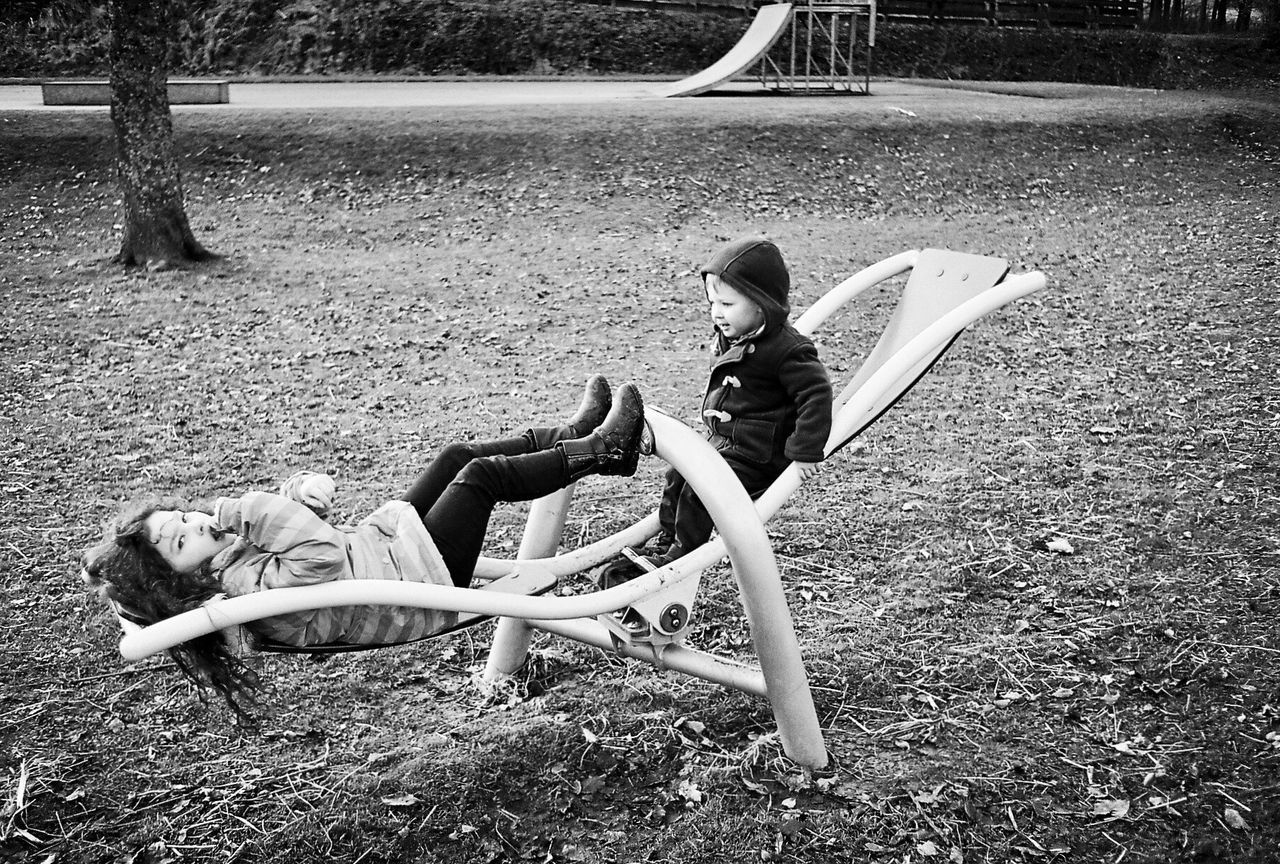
<point x="1039" y="602"/>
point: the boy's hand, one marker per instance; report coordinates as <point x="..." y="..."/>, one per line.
<point x="808" y="469"/>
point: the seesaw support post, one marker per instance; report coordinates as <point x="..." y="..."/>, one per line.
<point x="542" y="533"/>
<point x="786" y="683"/>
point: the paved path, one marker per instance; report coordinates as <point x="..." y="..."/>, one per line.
<point x="394" y="94"/>
<point x="935" y="100"/>
<point x="389" y="94"/>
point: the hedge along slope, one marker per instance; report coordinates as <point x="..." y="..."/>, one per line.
<point x="277" y="37"/>
<point x="504" y="37"/>
<point x="1131" y="58"/>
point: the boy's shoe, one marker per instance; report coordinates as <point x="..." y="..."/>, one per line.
<point x="617" y="572"/>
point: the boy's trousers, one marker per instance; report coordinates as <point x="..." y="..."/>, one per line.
<point x="685" y="521"/>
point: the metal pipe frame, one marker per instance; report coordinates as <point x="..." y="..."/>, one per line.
<point x="828" y="18"/>
<point x="743" y="537"/>
<point x="781" y="676"/>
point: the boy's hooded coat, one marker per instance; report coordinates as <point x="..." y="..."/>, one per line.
<point x="768" y="399"/>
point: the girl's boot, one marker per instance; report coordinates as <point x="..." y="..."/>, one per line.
<point x="596" y="401"/>
<point x="613" y="448"/>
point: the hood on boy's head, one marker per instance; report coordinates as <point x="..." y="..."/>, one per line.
<point x="754" y="266"/>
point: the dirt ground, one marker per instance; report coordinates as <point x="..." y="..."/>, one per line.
<point x="1038" y="601"/>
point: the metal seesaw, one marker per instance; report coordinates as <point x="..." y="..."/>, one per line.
<point x="946" y="292"/>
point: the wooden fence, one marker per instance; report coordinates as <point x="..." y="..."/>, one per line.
<point x="996" y="13"/>
<point x="1016" y="13"/>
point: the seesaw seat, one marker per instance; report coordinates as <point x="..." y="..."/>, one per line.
<point x="940" y="283"/>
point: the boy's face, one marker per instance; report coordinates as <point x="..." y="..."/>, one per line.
<point x="735" y="315"/>
<point x="185" y="540"/>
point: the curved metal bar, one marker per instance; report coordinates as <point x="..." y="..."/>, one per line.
<point x="357" y="592"/>
<point x="937" y="333"/>
<point x="680" y="658"/>
<point x="743" y="536"/>
<point x="578" y="560"/>
<point x="543" y="530"/>
<point x="235" y="611"/>
<point x="828" y="303"/>
<point x="773" y="498"/>
<point x="781" y="677"/>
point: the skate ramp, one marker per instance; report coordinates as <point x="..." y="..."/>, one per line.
<point x="768" y="25"/>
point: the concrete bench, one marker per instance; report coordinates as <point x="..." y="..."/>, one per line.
<point x="97" y="91"/>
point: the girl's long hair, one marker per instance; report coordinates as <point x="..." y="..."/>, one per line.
<point x="126" y="568"/>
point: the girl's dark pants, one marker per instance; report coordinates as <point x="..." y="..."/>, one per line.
<point x="457" y="492"/>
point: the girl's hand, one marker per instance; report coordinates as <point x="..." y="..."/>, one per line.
<point x="808" y="469"/>
<point x="311" y="490"/>
<point x="316" y="491"/>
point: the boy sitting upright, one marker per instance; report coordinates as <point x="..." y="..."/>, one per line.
<point x="767" y="402"/>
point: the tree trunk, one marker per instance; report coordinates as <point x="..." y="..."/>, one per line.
<point x="1244" y="12"/>
<point x="156" y="231"/>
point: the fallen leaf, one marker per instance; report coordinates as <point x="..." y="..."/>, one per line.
<point x="406" y="800"/>
<point x="690" y="792"/>
<point x="1061" y="546"/>
<point x="1233" y="818"/>
<point x="1116" y="808"/>
<point x="927" y="797"/>
<point x="928" y="848"/>
<point x="694" y="726"/>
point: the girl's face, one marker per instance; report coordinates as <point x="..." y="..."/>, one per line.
<point x="735" y="315"/>
<point x="185" y="540"/>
